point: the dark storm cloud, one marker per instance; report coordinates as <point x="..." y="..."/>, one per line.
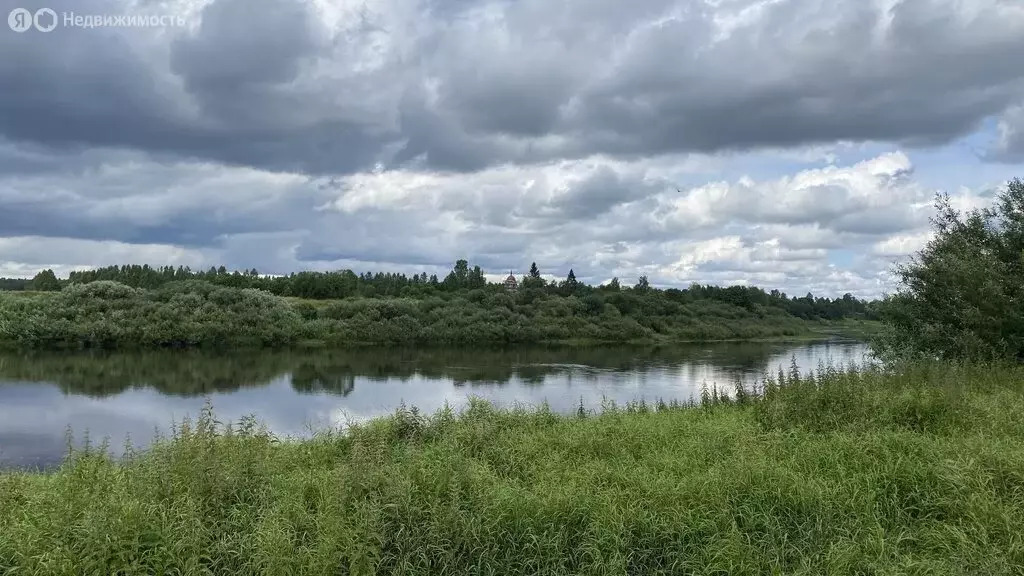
<point x="195" y="227"/>
<point x="131" y="199"/>
<point x="77" y="86"/>
<point x="805" y="72"/>
<point x="218" y="94"/>
<point x="601" y="191"/>
<point x="269" y="83"/>
<point x="241" y="43"/>
<point x="435" y="140"/>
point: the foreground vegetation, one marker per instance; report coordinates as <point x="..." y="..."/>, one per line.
<point x="962" y="296"/>
<point x="917" y="471"/>
<point x="198" y="313"/>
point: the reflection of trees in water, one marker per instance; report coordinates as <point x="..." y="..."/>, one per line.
<point x="177" y="373"/>
<point x="194" y="373"/>
<point x="312" y="378"/>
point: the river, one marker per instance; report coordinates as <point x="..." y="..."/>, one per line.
<point x="122" y="395"/>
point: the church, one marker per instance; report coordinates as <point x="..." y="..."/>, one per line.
<point x="511" y="283"/>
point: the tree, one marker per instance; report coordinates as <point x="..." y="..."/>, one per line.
<point x="642" y="285"/>
<point x="533" y="280"/>
<point x="477" y="278"/>
<point x="593" y="303"/>
<point x="962" y="295"/>
<point x="461" y="270"/>
<point x="459" y="276"/>
<point x="570" y="285"/>
<point x="15" y="284"/>
<point x="45" y="281"/>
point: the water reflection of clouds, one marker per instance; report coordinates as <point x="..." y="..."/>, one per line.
<point x="34" y="415"/>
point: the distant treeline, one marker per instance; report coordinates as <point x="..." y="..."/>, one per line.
<point x="348" y="284"/>
<point x="14" y="284"/>
<point x="198" y="313"/>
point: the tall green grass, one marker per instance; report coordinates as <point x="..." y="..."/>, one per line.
<point x="918" y="470"/>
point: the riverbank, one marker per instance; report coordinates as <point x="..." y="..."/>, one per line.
<point x="921" y="470"/>
<point x="199" y="314"/>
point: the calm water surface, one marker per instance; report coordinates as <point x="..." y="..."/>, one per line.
<point x="119" y="395"/>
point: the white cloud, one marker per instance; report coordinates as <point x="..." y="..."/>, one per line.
<point x="600" y="216"/>
<point x="25" y="256"/>
<point x="901" y="244"/>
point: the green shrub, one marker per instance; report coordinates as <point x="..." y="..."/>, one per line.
<point x="105" y="314"/>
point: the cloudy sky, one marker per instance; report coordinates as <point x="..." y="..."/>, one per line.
<point x="792" y="144"/>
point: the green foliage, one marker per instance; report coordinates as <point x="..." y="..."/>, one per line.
<point x="533" y="280"/>
<point x="346" y="284"/>
<point x="917" y="470"/>
<point x="140" y="306"/>
<point x="14" y="284"/>
<point x="642" y="284"/>
<point x="593" y="303"/>
<point x="571" y="285"/>
<point x="45" y="281"/>
<point x="962" y="296"/>
<point x="106" y="314"/>
<point x="193" y="313"/>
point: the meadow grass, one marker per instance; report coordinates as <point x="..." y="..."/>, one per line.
<point x="918" y="470"/>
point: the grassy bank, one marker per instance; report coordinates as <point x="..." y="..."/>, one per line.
<point x="919" y="471"/>
<point x="109" y="315"/>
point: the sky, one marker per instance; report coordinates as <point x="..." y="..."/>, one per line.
<point x="789" y="144"/>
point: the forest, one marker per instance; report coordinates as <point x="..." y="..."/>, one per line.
<point x="143" y="306"/>
<point x="197" y="313"/>
<point x="347" y="284"/>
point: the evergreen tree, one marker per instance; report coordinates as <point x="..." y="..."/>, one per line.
<point x="533" y="280"/>
<point x="570" y="285"/>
